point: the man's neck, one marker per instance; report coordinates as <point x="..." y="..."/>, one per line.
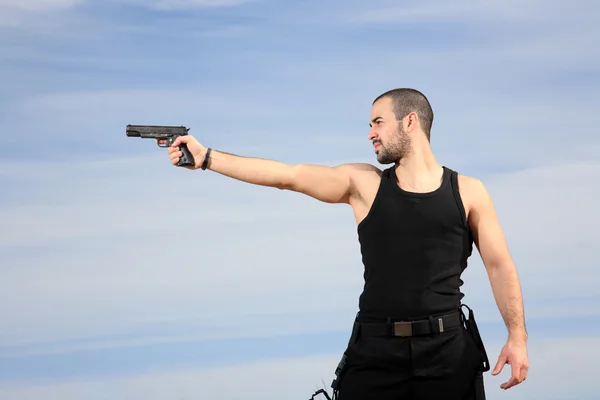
<point x="419" y="170"/>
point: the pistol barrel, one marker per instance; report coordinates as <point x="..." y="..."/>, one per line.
<point x="133" y="131"/>
<point x="155" y="131"/>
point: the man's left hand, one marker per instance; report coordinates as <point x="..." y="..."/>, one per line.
<point x="514" y="353"/>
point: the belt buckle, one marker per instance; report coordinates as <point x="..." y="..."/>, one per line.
<point x="403" y="328"/>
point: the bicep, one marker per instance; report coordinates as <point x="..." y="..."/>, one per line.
<point x="324" y="183"/>
<point x="487" y="232"/>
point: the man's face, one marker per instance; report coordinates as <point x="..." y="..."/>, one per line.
<point x="389" y="139"/>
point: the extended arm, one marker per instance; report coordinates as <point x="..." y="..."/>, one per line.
<point x="324" y="183"/>
<point x="327" y="184"/>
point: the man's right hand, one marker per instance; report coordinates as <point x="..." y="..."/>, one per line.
<point x="197" y="150"/>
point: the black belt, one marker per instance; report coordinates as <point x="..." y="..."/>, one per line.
<point x="437" y="324"/>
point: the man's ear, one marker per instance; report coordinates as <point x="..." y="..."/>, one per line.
<point x="411" y="122"/>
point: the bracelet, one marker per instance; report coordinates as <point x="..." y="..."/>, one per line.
<point x="205" y="162"/>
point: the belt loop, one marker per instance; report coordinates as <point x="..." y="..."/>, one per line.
<point x="432" y="324"/>
<point x="436" y="324"/>
<point x="390" y="326"/>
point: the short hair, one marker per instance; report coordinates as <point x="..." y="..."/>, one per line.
<point x="406" y="100"/>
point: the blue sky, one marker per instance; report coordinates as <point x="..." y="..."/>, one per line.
<point x="124" y="277"/>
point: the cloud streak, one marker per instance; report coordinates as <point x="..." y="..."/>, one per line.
<point x="19" y="14"/>
<point x="301" y="376"/>
<point x="190" y="4"/>
<point x="37" y="5"/>
<point x="112" y="205"/>
<point x="111" y="254"/>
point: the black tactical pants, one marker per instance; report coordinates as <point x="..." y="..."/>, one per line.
<point x="444" y="365"/>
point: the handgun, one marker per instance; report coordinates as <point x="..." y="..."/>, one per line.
<point x="166" y="133"/>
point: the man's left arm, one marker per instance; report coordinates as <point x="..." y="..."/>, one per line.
<point x="491" y="243"/>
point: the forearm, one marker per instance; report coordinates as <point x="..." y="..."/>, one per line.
<point x="256" y="171"/>
<point x="507" y="292"/>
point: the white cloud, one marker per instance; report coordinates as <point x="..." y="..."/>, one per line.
<point x="189" y="5"/>
<point x="192" y="4"/>
<point x="44" y="5"/>
<point x="471" y="11"/>
<point x="568" y="363"/>
<point x="147" y="105"/>
<point x="120" y="228"/>
<point x="488" y="102"/>
<point x="162" y="241"/>
<point x="33" y="15"/>
<point x="547" y="214"/>
<point x="560" y="369"/>
<point x="123" y="246"/>
<point x="466" y="121"/>
<point x="518" y="42"/>
<point x="286" y="379"/>
<point x="37" y="5"/>
<point x="19" y="13"/>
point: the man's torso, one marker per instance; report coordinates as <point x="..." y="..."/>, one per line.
<point x="414" y="245"/>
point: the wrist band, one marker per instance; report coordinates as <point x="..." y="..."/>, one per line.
<point x="205" y="162"/>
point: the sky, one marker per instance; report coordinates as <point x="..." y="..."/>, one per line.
<point x="125" y="277"/>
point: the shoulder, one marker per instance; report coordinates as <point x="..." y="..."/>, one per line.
<point x="360" y="170"/>
<point x="470" y="184"/>
<point x="473" y="192"/>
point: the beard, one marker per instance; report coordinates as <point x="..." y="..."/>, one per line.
<point x="396" y="149"/>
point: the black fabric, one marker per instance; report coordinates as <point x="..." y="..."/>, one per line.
<point x="436" y="366"/>
<point x="414" y="248"/>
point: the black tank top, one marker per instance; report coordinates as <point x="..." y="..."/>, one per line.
<point x="414" y="249"/>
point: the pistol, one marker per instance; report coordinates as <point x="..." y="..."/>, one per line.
<point x="166" y="133"/>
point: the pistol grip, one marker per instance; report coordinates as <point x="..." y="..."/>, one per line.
<point x="186" y="157"/>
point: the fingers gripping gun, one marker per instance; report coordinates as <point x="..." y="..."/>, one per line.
<point x="165" y="136"/>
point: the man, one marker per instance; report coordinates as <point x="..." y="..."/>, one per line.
<point x="417" y="222"/>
